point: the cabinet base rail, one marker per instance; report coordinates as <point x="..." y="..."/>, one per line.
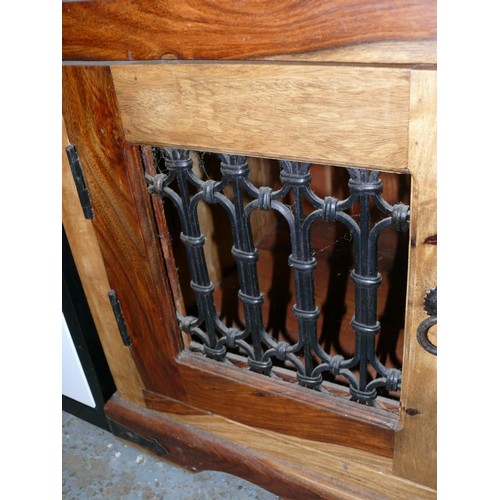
<point x="288" y="466"/>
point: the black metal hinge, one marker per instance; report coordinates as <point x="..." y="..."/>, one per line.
<point x="120" y="319"/>
<point x="121" y="431"/>
<point x="81" y="186"/>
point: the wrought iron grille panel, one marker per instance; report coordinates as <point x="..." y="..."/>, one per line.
<point x="311" y="362"/>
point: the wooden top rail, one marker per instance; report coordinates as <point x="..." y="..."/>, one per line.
<point x="129" y="30"/>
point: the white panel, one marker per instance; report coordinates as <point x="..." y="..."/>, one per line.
<point x="74" y="381"/>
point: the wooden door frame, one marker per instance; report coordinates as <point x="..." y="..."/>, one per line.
<point x="124" y="243"/>
<point x="125" y="227"/>
<point x="136" y="271"/>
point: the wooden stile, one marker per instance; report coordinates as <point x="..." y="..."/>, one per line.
<point x="415" y="455"/>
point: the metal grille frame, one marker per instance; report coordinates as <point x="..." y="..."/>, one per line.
<point x="259" y="347"/>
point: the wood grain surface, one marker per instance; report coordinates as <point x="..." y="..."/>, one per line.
<point x="126" y="234"/>
<point x="199" y="29"/>
<point x="92" y="273"/>
<point x="352" y="116"/>
<point x="415" y="455"/>
<point x="398" y="53"/>
<point x="289" y="467"/>
<point x="281" y="406"/>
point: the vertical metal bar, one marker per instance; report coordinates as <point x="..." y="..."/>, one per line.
<point x="180" y="164"/>
<point x="235" y="169"/>
<point x="364" y="184"/>
<point x="297" y="176"/>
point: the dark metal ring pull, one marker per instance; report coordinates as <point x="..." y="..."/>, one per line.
<point x="430" y="306"/>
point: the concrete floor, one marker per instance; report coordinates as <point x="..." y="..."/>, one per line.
<point x="96" y="464"/>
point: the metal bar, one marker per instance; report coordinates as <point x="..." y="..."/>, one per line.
<point x="365" y="186"/>
<point x="296" y="176"/>
<point x="235" y="171"/>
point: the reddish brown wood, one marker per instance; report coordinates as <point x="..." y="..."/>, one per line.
<point x="162" y="403"/>
<point x="284" y="407"/>
<point x="223" y="29"/>
<point x="199" y="450"/>
<point x="125" y="232"/>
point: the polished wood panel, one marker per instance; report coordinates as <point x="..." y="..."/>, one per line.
<point x="281" y="406"/>
<point x="165" y="404"/>
<point x="126" y="233"/>
<point x="416" y="444"/>
<point x="197" y="29"/>
<point x="92" y="273"/>
<point x="291" y="447"/>
<point x="289" y="467"/>
<point x="422" y="52"/>
<point x="352" y="116"/>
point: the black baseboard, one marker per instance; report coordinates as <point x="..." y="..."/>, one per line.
<point x="94" y="416"/>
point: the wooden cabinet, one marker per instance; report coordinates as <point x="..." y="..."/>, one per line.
<point x="362" y="100"/>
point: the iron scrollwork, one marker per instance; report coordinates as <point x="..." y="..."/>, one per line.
<point x="258" y="345"/>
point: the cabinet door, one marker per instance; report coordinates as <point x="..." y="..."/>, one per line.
<point x="321" y="114"/>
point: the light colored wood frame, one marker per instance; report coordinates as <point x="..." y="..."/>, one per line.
<point x="415" y="454"/>
<point x="333" y="114"/>
<point x="415" y="451"/>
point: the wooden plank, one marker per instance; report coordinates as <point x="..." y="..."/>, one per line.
<point x="126" y="234"/>
<point x="217" y="424"/>
<point x="281" y="406"/>
<point x="354" y="116"/>
<point x="421" y="52"/>
<point x="331" y="461"/>
<point x="292" y="468"/>
<point x="196" y="29"/>
<point x="416" y="447"/>
<point x="90" y="266"/>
